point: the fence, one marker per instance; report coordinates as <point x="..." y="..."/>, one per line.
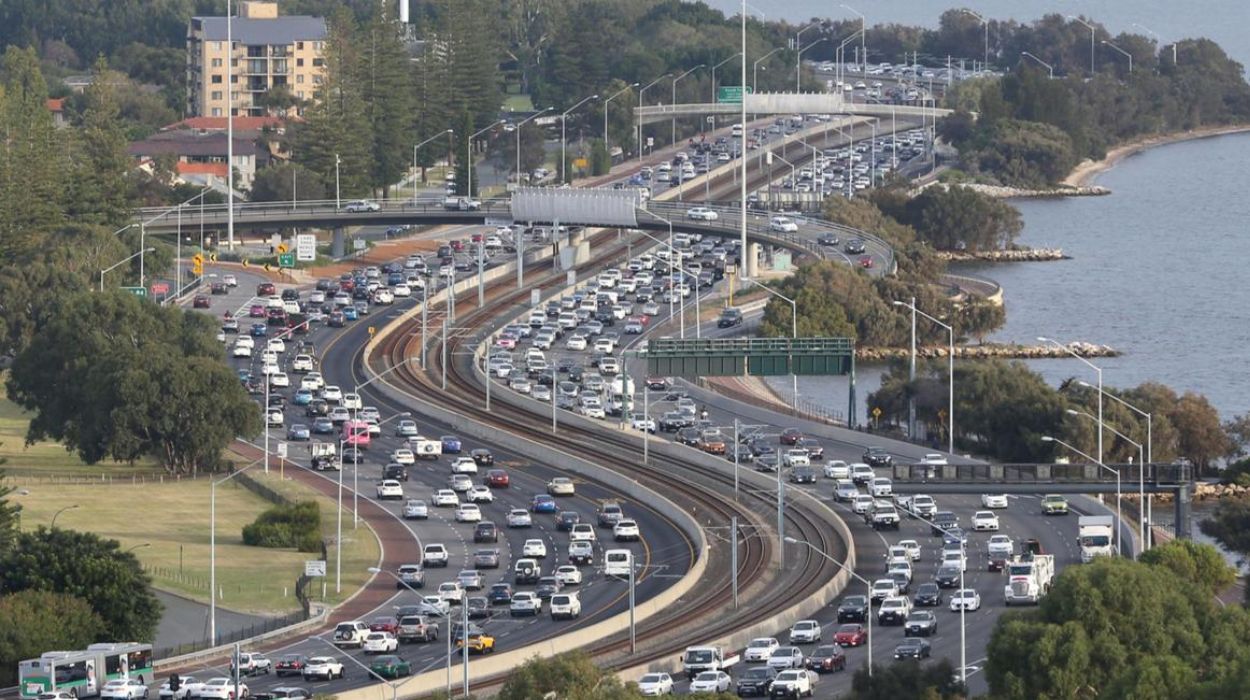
<point x="19" y="478"/>
<point x="818" y="412"/>
<point x="269" y="624"/>
<point x="166" y="573"/>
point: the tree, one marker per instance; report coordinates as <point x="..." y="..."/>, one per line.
<point x="1194" y="563"/>
<point x="10" y="514"/>
<point x="571" y="676"/>
<point x="600" y="160"/>
<point x="933" y="681"/>
<point x="32" y="164"/>
<point x="35" y="621"/>
<point x="83" y="565"/>
<point x="1202" y="439"/>
<point x="286" y="182"/>
<point x="385" y="81"/>
<point x="532" y="152"/>
<point x="955" y="217"/>
<point x="1230" y="523"/>
<point x="101" y="193"/>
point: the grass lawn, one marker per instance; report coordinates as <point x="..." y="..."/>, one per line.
<point x="173" y="519"/>
<point x="518" y="103"/>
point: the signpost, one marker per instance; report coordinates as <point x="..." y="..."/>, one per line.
<point x="286" y="259"/>
<point x="159" y="288"/>
<point x="197" y="264"/>
<point x="137" y="291"/>
<point x="730" y="94"/>
<point x="305" y="247"/>
<point x="315" y="567"/>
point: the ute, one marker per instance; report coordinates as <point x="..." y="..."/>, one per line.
<point x="698" y="659"/>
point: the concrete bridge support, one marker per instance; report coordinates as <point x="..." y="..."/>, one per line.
<point x="338" y="245"/>
<point x="1184" y="512"/>
<point x="752" y="259"/>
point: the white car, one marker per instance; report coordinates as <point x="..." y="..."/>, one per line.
<point x="323" y="667"/>
<point x="786" y="657"/>
<point x="277" y="345"/>
<point x="312" y="381"/>
<point x="568" y="575"/>
<point x="912" y="547"/>
<point x="710" y="682"/>
<point x="582" y="532"/>
<point x="954" y="557"/>
<point x="407" y="428"/>
<point x="445" y="498"/>
<point x="784" y="224"/>
<point x="519" y="517"/>
<point x="1001" y="545"/>
<point x="279" y="379"/>
<point x="189" y="687"/>
<point x="451" y="591"/>
<point x="805" y="632"/>
<point x="837" y="469"/>
<point x="534" y="548"/>
<point x="390" y="488"/>
<point x="759" y="649"/>
<point x="384" y="296"/>
<point x="984" y="520"/>
<point x="461" y="483"/>
<point x="468" y="513"/>
<point x="993" y="500"/>
<point x="967" y="599"/>
<point x="124" y="689"/>
<point x="434" y="606"/>
<point x="404" y="456"/>
<point x="895" y="554"/>
<point x="643" y="424"/>
<point x="241" y="350"/>
<point x="481" y="494"/>
<point x="561" y="486"/>
<point x="331" y="393"/>
<point x="380" y="643"/>
<point x="361" y="205"/>
<point x="881" y="487"/>
<point x="434" y="555"/>
<point x="302" y="363"/>
<point x="575" y="342"/>
<point x="223" y="689"/>
<point x="702" y="214"/>
<point x="525" y="603"/>
<point x="464" y="465"/>
<point x="352" y="402"/>
<point x="934" y="459"/>
<point x="626" y="529"/>
<point x="862" y="504"/>
<point x="655" y="684"/>
<point x="401" y="290"/>
<point x="416" y="509"/>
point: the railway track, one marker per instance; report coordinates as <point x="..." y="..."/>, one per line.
<point x="706" y="614"/>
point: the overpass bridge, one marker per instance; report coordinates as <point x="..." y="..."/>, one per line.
<point x="788" y="103"/>
<point x="1176" y="479"/>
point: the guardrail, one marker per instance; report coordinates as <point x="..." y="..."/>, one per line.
<point x="1081" y="473"/>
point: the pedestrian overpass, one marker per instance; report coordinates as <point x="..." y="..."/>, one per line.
<point x="788" y="103"/>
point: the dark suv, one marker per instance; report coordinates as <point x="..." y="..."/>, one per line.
<point x="853" y="609"/>
<point x="877" y="457"/>
<point x="398" y="472"/>
<point x="756" y="681"/>
<point x="486" y="532"/>
<point x="729" y="318"/>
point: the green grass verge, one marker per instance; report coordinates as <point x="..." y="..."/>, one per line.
<point x="518" y="103"/>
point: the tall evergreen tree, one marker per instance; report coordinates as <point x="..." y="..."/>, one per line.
<point x="432" y="111"/>
<point x="385" y="79"/>
<point x="31" y="157"/>
<point x="101" y="192"/>
<point x="470" y="43"/>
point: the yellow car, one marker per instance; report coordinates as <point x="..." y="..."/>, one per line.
<point x="479" y="644"/>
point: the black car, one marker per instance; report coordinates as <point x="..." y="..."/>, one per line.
<point x="828" y="239"/>
<point x="398" y="472"/>
<point x="856" y="246"/>
<point x="921" y="623"/>
<point x="912" y="648"/>
<point x="353" y="455"/>
<point x="689" y="436"/>
<point x="323" y="426"/>
<point x="877" y="457"/>
<point x="500" y="594"/>
<point x="485" y="532"/>
<point x="478" y="607"/>
<point x="853" y="609"/>
<point x="729" y="318"/>
<point x="483" y="457"/>
<point x="486" y="559"/>
<point x="803" y="475"/>
<point x="756" y="681"/>
<point x="567" y="519"/>
<point x="928" y="595"/>
<point x="947" y="576"/>
<point x="902" y="581"/>
<point x="547" y="587"/>
<point x="943" y="520"/>
<point x="815" y="451"/>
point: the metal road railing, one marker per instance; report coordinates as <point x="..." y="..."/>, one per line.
<point x="1155" y="474"/>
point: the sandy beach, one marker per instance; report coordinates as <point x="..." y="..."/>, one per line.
<point x="1087" y="170"/>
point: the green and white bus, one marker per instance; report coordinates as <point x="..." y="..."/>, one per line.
<point x="83" y="673"/>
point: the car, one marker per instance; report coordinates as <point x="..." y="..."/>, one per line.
<point x="380" y="643"/>
<point x="984" y="520"/>
<point x="288" y="664"/>
<point x="757" y="680"/>
<point x="626" y="530"/>
<point x="390" y="667"/>
<point x="323" y="667"/>
<point x="497" y="479"/>
<point x="298" y="433"/>
<point x="486" y="559"/>
<point x="920" y="623"/>
<point x="582" y="532"/>
<point x="710" y="682"/>
<point x="468" y="513"/>
<point x="519" y="517"/>
<point x="884" y="588"/>
<point x="481" y="494"/>
<point x="395" y="472"/>
<point x="853" y="609"/>
<point x="470" y="580"/>
<point x="451" y="592"/>
<point x="928" y="595"/>
<point x="581" y="553"/>
<point x="877" y="457"/>
<point x="702" y="214"/>
<point x="409" y="576"/>
<point x="862" y="503"/>
<point x="451" y="444"/>
<point x="934" y="459"/>
<point x="434" y="606"/>
<point x="912" y="648"/>
<point x="482" y="456"/>
<point x="543" y="503"/>
<point x="965" y="599"/>
<point x="124" y="689"/>
<point x="460" y="483"/>
<point x="361" y="205"/>
<point x="836" y="469"/>
<point x="222" y="689"/>
<point x="948" y="576"/>
<point x="568" y="575"/>
<point x="1054" y="504"/>
<point x="500" y="594"/>
<point x="805" y="632"/>
<point x="783" y="224"/>
<point x="993" y="500"/>
<point x="851" y="635"/>
<point x="942" y="522"/>
<point x="445" y="498"/>
<point x="525" y="603"/>
<point x="893" y="611"/>
<point x="435" y="554"/>
<point x="655" y="684"/>
<point x="827" y="658"/>
<point x="534" y="548"/>
<point x="390" y="489"/>
<point x="201" y="301"/>
<point x="404" y="456"/>
<point x="785" y="657"/>
<point x="477" y="643"/>
<point x="463" y="465"/>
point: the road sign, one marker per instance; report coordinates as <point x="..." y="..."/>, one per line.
<point x="580" y="163"/>
<point x="245" y="262"/>
<point x="198" y="259"/>
<point x="305" y="247"/>
<point x="160" y="288"/>
<point x="315" y="567"/>
<point x="372" y="331"/>
<point x="731" y="94"/>
<point x="137" y="291"/>
<point x="282" y="450"/>
<point x="282" y="248"/>
<point x="650" y="141"/>
<point x="286" y="259"/>
<point x="268" y="267"/>
<point x="358" y="244"/>
<point x="876" y="411"/>
<point x="493" y="221"/>
<point x="212" y="257"/>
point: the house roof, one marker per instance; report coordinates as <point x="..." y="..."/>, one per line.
<point x="184" y="142"/>
<point x="218" y="169"/>
<point x="219" y="123"/>
<point x="55" y="104"/>
<point x="257" y="32"/>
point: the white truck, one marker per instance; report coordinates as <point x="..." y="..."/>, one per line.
<point x="1094" y="533"/>
<point x="696" y="660"/>
<point x="1028" y="578"/>
<point x="461" y="204"/>
<point x="324" y="456"/>
<point x="425" y="448"/>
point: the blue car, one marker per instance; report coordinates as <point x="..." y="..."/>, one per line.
<point x="259" y="330"/>
<point x="245" y="375"/>
<point x="543" y="503"/>
<point x="303" y="397"/>
<point x="299" y="431"/>
<point x="451" y="444"/>
<point x="350" y="313"/>
<point x="395" y="278"/>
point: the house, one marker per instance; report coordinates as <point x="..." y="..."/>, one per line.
<point x="201" y="156"/>
<point x="57" y="107"/>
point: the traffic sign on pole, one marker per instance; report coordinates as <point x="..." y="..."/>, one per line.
<point x="286" y="259"/>
<point x="137" y="291"/>
<point x="282" y="248"/>
<point x="160" y="288"/>
<point x="305" y="247"/>
<point x="730" y="94"/>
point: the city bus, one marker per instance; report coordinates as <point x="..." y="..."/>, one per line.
<point x="83" y="673"/>
<point x="356" y="434"/>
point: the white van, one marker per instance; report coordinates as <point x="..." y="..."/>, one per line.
<point x="565" y="606"/>
<point x="617" y="562"/>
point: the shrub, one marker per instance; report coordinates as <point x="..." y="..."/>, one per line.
<point x="288" y="526"/>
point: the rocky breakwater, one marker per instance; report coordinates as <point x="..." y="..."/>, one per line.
<point x="1003" y="192"/>
<point x="1202" y="492"/>
<point x="988" y="351"/>
<point x="1010" y="255"/>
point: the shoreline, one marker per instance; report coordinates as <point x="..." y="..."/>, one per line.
<point x="1087" y="170"/>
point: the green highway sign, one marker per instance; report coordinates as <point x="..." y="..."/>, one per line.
<point x="286" y="259"/>
<point x="137" y="291"/>
<point x="731" y="94"/>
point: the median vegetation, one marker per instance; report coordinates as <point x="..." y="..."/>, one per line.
<point x="287" y="526"/>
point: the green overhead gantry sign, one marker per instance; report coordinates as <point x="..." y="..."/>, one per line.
<point x="761" y="357"/>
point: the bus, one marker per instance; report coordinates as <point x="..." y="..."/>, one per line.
<point x="356" y="434"/>
<point x="83" y="673"/>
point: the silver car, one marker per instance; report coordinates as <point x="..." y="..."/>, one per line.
<point x="416" y="509"/>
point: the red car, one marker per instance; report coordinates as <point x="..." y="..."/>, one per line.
<point x="256" y="311"/>
<point x="865" y="261"/>
<point x="200" y="302"/>
<point x="457" y="245"/>
<point x="384" y="624"/>
<point x="266" y="289"/>
<point x="497" y="478"/>
<point x="290" y="663"/>
<point x="791" y="436"/>
<point x="851" y="635"/>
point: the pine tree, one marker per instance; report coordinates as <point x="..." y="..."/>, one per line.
<point x="31" y="158"/>
<point x="432" y="111"/>
<point x="102" y="194"/>
<point x="385" y="79"/>
<point x="471" y="44"/>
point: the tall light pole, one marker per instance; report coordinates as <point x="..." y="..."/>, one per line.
<point x="742" y="148"/>
<point x="1092" y="366"/>
<point x="337" y="200"/>
<point x="517" y="129"/>
<point x="673" y="138"/>
<point x="138" y="546"/>
<point x="230" y="128"/>
<point x="718" y="65"/>
<point x="376" y="570"/>
<point x="794" y="334"/>
<point x="212" y="548"/>
<point x="414" y="158"/>
<point x="1141" y="460"/>
<point x="605" y="112"/>
<point x="950" y="356"/>
<point x="1049" y="68"/>
<point x="640" y="94"/>
<point x="112" y="267"/>
<point x="798" y="49"/>
<point x="1092" y="32"/>
<point x="564" y="176"/>
<point x="800" y="54"/>
<point x="857" y="577"/>
<point x="1127" y="54"/>
<point x="755" y="70"/>
<point x="985" y="60"/>
<point x="838" y="53"/>
<point x="768" y="158"/>
<point x="468" y="157"/>
<point x="863" y="38"/>
<point x="1149" y="446"/>
<point x="52" y="525"/>
<point x="1118" y="513"/>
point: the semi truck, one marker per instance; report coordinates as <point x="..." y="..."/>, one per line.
<point x="1028" y="578"/>
<point x="698" y="659"/>
<point x="1094" y="533"/>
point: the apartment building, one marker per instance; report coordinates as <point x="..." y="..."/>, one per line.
<point x="269" y="51"/>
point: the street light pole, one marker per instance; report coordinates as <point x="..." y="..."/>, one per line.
<point x="414" y="159"/>
<point x="798" y="49"/>
<point x="718" y="65"/>
<point x="337" y="200"/>
<point x="1141" y="459"/>
<point x="1129" y="55"/>
<point x="639" y="113"/>
<point x="863" y="38"/>
<point x="605" y="113"/>
<point x="110" y="268"/>
<point x="950" y="356"/>
<point x="212" y="549"/>
<point x="1118" y="512"/>
<point x="985" y="61"/>
<point x="1094" y="367"/>
<point x="852" y="574"/>
<point x="673" y="138"/>
<point x="564" y="176"/>
<point x="57" y="514"/>
<point x="1048" y="67"/>
<point x="520" y="124"/>
<point x="1091" y="29"/>
<point x="794" y="335"/>
<point x="1149" y="451"/>
<point x="468" y="157"/>
<point x="755" y="70"/>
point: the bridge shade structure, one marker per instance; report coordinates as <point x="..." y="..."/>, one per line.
<point x="760" y="357"/>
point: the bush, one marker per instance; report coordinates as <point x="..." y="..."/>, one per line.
<point x="290" y="526"/>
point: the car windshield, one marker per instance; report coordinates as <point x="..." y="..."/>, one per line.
<point x="700" y="656"/>
<point x="652" y="678"/>
<point x="757" y="643"/>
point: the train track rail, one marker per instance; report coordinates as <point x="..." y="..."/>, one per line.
<point x="706" y="614"/>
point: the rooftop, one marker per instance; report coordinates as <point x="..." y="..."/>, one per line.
<point x="259" y="32"/>
<point x="184" y="142"/>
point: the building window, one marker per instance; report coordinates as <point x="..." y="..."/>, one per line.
<point x="216" y="95"/>
<point x="299" y="78"/>
<point x="299" y="62"/>
<point x="216" y="111"/>
<point x="318" y="62"/>
<point x="216" y="63"/>
<point x="216" y="80"/>
<point x="299" y="46"/>
<point x="300" y="93"/>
